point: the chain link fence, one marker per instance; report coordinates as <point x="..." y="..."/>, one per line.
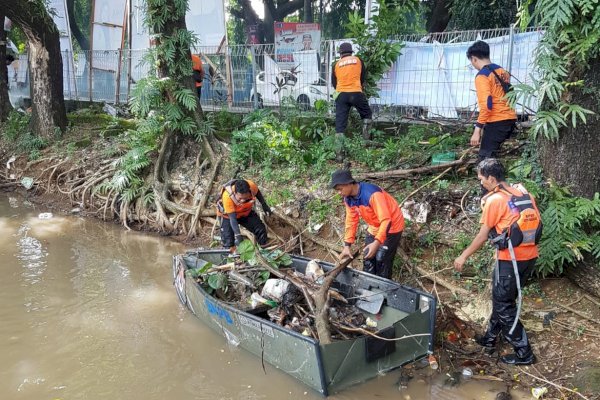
<point x="432" y="78"/>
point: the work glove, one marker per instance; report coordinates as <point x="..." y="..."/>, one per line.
<point x="238" y="239"/>
<point x="267" y="210"/>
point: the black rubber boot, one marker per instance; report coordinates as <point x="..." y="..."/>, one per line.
<point x="485" y="341"/>
<point x="513" y="359"/>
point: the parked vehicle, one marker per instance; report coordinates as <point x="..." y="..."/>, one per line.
<point x="287" y="85"/>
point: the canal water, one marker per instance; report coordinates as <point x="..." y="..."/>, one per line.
<point x="88" y="311"/>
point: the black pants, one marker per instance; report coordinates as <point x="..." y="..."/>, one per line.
<point x="494" y="134"/>
<point x="344" y="102"/>
<point x="504" y="307"/>
<point x="252" y="222"/>
<point x="382" y="266"/>
<point x="199" y="90"/>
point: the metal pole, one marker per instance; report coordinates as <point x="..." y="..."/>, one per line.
<point x="511" y="39"/>
<point x="91" y="50"/>
<point x="254" y="90"/>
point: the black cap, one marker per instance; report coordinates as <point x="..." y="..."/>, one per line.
<point x="341" y="177"/>
<point x="345" y="48"/>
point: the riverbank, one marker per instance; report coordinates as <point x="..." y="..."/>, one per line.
<point x="92" y="172"/>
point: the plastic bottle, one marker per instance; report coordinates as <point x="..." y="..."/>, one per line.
<point x="257" y="299"/>
<point x="433" y="364"/>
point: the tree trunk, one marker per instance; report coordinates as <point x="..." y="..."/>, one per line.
<point x="440" y="16"/>
<point x="83" y="41"/>
<point x="574" y="159"/>
<point x="308" y="11"/>
<point x="5" y="105"/>
<point x="586" y="275"/>
<point x="45" y="64"/>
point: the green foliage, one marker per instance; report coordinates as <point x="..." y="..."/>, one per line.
<point x="131" y="167"/>
<point x="275" y="258"/>
<point x="15" y="131"/>
<point x="482" y="14"/>
<point x="318" y="210"/>
<point x="571" y="229"/>
<point x="268" y="140"/>
<point x="376" y="50"/>
<point x="571" y="40"/>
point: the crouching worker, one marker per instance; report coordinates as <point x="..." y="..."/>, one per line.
<point x="512" y="222"/>
<point x="235" y="208"/>
<point x="381" y="213"/>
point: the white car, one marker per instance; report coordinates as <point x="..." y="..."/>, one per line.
<point x="289" y="85"/>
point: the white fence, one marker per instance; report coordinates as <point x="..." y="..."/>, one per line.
<point x="431" y="79"/>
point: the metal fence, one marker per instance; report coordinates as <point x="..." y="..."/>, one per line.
<point x="431" y="79"/>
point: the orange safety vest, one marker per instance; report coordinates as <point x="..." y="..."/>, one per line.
<point x="229" y="203"/>
<point x="347" y="72"/>
<point x="197" y="66"/>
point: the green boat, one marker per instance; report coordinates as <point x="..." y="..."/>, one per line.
<point x="326" y="368"/>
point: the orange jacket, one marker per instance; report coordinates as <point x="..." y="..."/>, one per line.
<point x="348" y="74"/>
<point x="229" y="204"/>
<point x="379" y="210"/>
<point x="498" y="215"/>
<point x="197" y="66"/>
<point x="490" y="96"/>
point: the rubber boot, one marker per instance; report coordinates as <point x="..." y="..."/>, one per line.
<point x="366" y="129"/>
<point x="523" y="356"/>
<point x="488" y="343"/>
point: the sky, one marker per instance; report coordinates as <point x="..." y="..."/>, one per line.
<point x="258" y="7"/>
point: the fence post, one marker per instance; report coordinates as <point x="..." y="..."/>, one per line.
<point x="254" y="90"/>
<point x="511" y="39"/>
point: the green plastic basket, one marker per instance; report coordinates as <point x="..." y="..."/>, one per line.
<point x="443" y="158"/>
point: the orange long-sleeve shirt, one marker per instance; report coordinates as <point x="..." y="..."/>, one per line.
<point x="377" y="208"/>
<point x="493" y="106"/>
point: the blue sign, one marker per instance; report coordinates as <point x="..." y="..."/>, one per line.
<point x="218" y="311"/>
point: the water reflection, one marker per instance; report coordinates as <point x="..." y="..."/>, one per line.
<point x="108" y="325"/>
<point x="31" y="255"/>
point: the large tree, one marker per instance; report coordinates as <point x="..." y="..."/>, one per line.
<point x="567" y="126"/>
<point x="5" y="105"/>
<point x="275" y="10"/>
<point x="45" y="64"/>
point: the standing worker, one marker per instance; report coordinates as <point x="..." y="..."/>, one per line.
<point x="198" y="73"/>
<point x="381" y="213"/>
<point x="512" y="222"/>
<point x="236" y="207"/>
<point x="496" y="118"/>
<point x="348" y="76"/>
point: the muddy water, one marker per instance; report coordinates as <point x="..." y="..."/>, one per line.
<point x="87" y="311"/>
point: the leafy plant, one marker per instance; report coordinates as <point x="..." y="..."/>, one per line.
<point x="376" y="50"/>
<point x="275" y="258"/>
<point x="571" y="39"/>
<point x="571" y="229"/>
<point x="16" y="130"/>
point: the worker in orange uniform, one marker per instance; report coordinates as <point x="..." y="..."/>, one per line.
<point x="348" y="76"/>
<point x="381" y="213"/>
<point x="512" y="222"/>
<point x="236" y="207"/>
<point x="198" y="73"/>
<point x="496" y="121"/>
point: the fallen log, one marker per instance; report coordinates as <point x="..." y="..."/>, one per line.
<point x="399" y="173"/>
<point x="313" y="238"/>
